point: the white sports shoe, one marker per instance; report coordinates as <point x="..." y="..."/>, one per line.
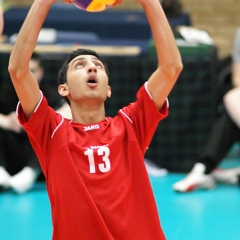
<point x="24" y="180"/>
<point x="196" y="179"/>
<point x="230" y="175"/>
<point x="154" y="170"/>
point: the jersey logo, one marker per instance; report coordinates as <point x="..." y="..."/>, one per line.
<point x="92" y="127"/>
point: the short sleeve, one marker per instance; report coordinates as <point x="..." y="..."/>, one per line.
<point x="144" y="116"/>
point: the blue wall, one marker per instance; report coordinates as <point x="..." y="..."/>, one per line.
<point x="109" y="24"/>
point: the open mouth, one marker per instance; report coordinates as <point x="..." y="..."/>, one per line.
<point x="91" y="81"/>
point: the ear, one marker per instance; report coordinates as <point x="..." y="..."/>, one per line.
<point x="109" y="92"/>
<point x="63" y="90"/>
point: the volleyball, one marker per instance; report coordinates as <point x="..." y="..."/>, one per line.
<point x="93" y="5"/>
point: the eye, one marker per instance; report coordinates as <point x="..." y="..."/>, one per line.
<point x="98" y="65"/>
<point x="79" y="65"/>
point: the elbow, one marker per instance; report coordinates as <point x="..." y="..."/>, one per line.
<point x="12" y="70"/>
<point x="178" y="69"/>
<point x="16" y="73"/>
<point x="174" y="70"/>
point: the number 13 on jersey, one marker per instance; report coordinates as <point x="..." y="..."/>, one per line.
<point x="103" y="167"/>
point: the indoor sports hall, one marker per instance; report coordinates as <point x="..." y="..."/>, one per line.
<point x="124" y="40"/>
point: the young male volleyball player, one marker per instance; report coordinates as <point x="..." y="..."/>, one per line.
<point x="96" y="178"/>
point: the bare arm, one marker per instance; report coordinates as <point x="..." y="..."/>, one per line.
<point x="169" y="67"/>
<point x="236" y="74"/>
<point x="169" y="60"/>
<point x="23" y="80"/>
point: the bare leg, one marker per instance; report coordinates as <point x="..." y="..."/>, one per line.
<point x="232" y="104"/>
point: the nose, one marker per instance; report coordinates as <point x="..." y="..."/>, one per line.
<point x="92" y="68"/>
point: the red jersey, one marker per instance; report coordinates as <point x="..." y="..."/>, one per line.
<point x="95" y="173"/>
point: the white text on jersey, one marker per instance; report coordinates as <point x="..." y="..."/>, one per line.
<point x="92" y="127"/>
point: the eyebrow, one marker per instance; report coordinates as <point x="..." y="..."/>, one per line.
<point x="83" y="58"/>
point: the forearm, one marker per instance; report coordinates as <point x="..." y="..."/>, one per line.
<point x="28" y="35"/>
<point x="167" y="50"/>
<point x="23" y="79"/>
<point x="161" y="82"/>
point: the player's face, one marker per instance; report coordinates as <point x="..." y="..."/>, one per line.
<point x="87" y="79"/>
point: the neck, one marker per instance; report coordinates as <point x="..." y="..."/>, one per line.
<point x="88" y="115"/>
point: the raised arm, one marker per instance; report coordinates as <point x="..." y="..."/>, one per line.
<point x="169" y="66"/>
<point x="23" y="80"/>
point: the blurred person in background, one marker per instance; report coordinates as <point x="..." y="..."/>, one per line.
<point x="224" y="133"/>
<point x="175" y="13"/>
<point x="19" y="167"/>
<point x="232" y="98"/>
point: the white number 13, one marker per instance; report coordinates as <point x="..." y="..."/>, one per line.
<point x="103" y="167"/>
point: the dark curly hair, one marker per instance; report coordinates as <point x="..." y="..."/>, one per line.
<point x="62" y="75"/>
